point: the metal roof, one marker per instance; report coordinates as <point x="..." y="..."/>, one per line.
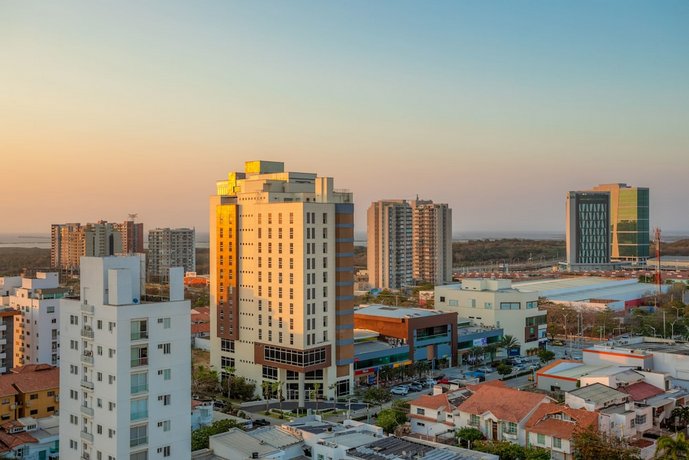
<point x="396" y="312"/>
<point x="598" y="393"/>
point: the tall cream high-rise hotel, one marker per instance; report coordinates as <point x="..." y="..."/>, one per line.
<point x="281" y="269"/>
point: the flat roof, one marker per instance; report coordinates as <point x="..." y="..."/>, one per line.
<point x="587" y="288"/>
<point x="598" y="393"/>
<point x="561" y="283"/>
<point x="396" y="312"/>
<point x="645" y="347"/>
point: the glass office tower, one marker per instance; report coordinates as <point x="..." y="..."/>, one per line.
<point x="629" y="222"/>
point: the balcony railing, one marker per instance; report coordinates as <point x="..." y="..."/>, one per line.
<point x="87" y="410"/>
<point x="139" y="335"/>
<point x="87" y="332"/>
<point x="87" y="308"/>
<point x="85" y="435"/>
<point x="139" y="415"/>
<point x="136" y="389"/>
<point x="87" y="359"/>
<point x="138" y="362"/>
<point x="138" y="441"/>
<point x="86" y="384"/>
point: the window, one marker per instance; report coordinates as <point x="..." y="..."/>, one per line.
<point x="165" y="322"/>
<point x="474" y="420"/>
<point x="165" y="450"/>
<point x="139" y="356"/>
<point x="138" y="409"/>
<point x="166" y="373"/>
<point x="540" y="439"/>
<point x="138" y="435"/>
<point x="557" y="443"/>
<point x="487" y="305"/>
<point x="165" y="425"/>
<point x="139" y="383"/>
<point x="270" y="372"/>
<point x="532" y="304"/>
<point x="510" y="305"/>
<point x="227" y="345"/>
<point x="641" y="419"/>
<point x="165" y="347"/>
<point x="74" y="320"/>
<point x="510" y="427"/>
<point x="139" y="329"/>
<point x="50" y="310"/>
<point x="73" y="369"/>
<point x="420" y="411"/>
<point x="74" y="345"/>
<point x="165" y="399"/>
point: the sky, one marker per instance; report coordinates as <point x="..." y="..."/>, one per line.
<point x="497" y="108"/>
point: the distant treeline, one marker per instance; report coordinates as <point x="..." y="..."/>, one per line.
<point x="14" y="260"/>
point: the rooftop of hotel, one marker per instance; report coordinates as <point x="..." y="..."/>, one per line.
<point x="396" y="312"/>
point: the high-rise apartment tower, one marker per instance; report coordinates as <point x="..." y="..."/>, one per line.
<point x="125" y="384"/>
<point x="170" y="247"/>
<point x="409" y="242"/>
<point x="281" y="271"/>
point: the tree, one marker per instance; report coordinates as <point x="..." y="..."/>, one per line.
<point x="588" y="443"/>
<point x="509" y="451"/>
<point x="469" y="434"/>
<point x="377" y="396"/>
<point x="229" y="375"/>
<point x="199" y="437"/>
<point x="389" y="419"/>
<point x="267" y="388"/>
<point x="241" y="389"/>
<point x="314" y="393"/>
<point x="673" y="448"/>
<point x="509" y="342"/>
<point x="491" y="349"/>
<point x="545" y="355"/>
<point x="277" y="389"/>
<point x="504" y="369"/>
<point x="204" y="381"/>
<point x="680" y="416"/>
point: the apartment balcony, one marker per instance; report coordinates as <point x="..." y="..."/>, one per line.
<point x="86" y="384"/>
<point x="87" y="359"/>
<point x="86" y="410"/>
<point x="87" y="333"/>
<point x="86" y="436"/>
<point x="87" y="308"/>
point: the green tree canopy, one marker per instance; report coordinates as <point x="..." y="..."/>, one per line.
<point x="389" y="419"/>
<point x="199" y="437"/>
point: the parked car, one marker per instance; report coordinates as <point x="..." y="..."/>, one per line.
<point x="219" y="405"/>
<point x="400" y="390"/>
<point x="558" y="343"/>
<point x="415" y="386"/>
<point x="429" y="382"/>
<point x="485" y="369"/>
<point x="261" y="422"/>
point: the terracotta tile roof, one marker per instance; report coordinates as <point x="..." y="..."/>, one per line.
<point x="543" y="422"/>
<point x="504" y="403"/>
<point x="433" y="402"/>
<point x="641" y="390"/>
<point x="6" y="387"/>
<point x="30" y="382"/>
<point x="30" y="368"/>
<point x="16" y="440"/>
<point x="490" y="383"/>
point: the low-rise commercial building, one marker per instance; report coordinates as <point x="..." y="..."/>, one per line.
<point x="431" y="335"/>
<point x="496" y="303"/>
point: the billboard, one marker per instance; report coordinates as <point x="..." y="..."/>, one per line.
<point x="482" y="342"/>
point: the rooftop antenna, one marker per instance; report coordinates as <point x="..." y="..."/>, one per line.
<point x="133" y="216"/>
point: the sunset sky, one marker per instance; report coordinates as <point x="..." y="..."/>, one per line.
<point x="497" y="108"/>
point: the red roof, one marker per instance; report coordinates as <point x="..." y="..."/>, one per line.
<point x="31" y="380"/>
<point x="491" y="383"/>
<point x="641" y="390"/>
<point x="433" y="402"/>
<point x="548" y="420"/>
<point x="504" y="403"/>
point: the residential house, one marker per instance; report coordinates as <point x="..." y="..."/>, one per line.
<point x="552" y="427"/>
<point x="500" y="413"/>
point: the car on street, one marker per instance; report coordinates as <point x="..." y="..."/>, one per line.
<point x="415" y="386"/>
<point x="486" y="370"/>
<point x="261" y="422"/>
<point x="400" y="390"/>
<point x="429" y="382"/>
<point x="558" y="343"/>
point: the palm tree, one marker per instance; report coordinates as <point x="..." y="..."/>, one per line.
<point x="229" y="371"/>
<point x="313" y="394"/>
<point x="332" y="387"/>
<point x="267" y="392"/>
<point x="509" y="342"/>
<point x="673" y="449"/>
<point x="277" y="387"/>
<point x="491" y="349"/>
<point x="680" y="414"/>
